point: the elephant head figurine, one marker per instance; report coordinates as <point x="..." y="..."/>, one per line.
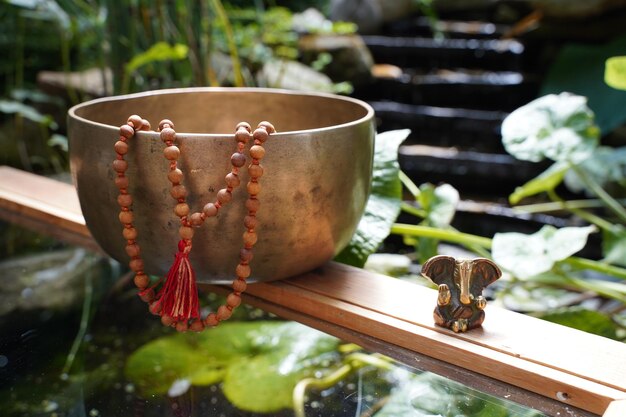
<point x="460" y="302"/>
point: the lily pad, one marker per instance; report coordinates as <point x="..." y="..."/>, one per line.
<point x="258" y="363"/>
<point x="383" y="205"/>
<point x="528" y="255"/>
<point x="558" y="127"/>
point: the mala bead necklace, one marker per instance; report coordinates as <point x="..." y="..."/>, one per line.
<point x="177" y="299"/>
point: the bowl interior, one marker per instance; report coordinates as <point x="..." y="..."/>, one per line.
<point x="220" y="111"/>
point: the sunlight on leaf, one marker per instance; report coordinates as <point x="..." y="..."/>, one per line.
<point x="28" y="112"/>
<point x="559" y="127"/>
<point x="528" y="255"/>
<point x="160" y="51"/>
<point x="383" y="205"/>
<point x="615" y="72"/>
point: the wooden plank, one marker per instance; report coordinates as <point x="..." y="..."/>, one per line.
<point x="45" y="205"/>
<point x="505" y="331"/>
<point x="575" y="368"/>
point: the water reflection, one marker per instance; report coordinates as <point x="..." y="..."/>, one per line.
<point x="107" y="356"/>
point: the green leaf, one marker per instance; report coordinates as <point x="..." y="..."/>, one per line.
<point x="559" y="127"/>
<point x="528" y="255"/>
<point x="383" y="205"/>
<point x="614" y="245"/>
<point x="583" y="319"/>
<point x="580" y="69"/>
<point x="428" y="395"/>
<point x="259" y="362"/>
<point x="615" y="72"/>
<point x="28" y="112"/>
<point x="160" y="51"/>
<point x="548" y="180"/>
<point x="606" y="165"/>
<point x="439" y="204"/>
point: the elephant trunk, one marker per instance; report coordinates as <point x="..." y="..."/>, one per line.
<point x="463" y="275"/>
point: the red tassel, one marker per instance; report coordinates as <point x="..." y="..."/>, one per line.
<point x="178" y="298"/>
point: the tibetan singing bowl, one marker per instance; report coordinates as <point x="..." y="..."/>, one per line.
<point x="318" y="168"/>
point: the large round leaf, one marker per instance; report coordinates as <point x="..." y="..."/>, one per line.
<point x="559" y="127"/>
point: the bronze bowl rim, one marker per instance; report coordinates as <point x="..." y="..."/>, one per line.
<point x="369" y="115"/>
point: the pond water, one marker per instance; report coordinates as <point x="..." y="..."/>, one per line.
<point x="76" y="341"/>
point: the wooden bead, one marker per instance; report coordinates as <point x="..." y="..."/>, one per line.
<point x="121" y="147"/>
<point x="164" y="122"/>
<point x="119" y="165"/>
<point x="242" y="135"/>
<point x="185" y="232"/>
<point x="136" y="265"/>
<point x="260" y="134"/>
<point x="171" y="153"/>
<point x="129" y="233"/>
<point x="255" y="170"/>
<point x="232" y="180"/>
<point x="155" y="308"/>
<point x="182" y="326"/>
<point x="135" y="121"/>
<point x="224" y="196"/>
<point x="246" y="255"/>
<point x="243" y="271"/>
<point x="196" y="219"/>
<point x="196" y="326"/>
<point x="211" y="320"/>
<point x="268" y="126"/>
<point x="133" y="250"/>
<point x="178" y="191"/>
<point x="233" y="300"/>
<point x="147" y="295"/>
<point x="240" y="285"/>
<point x="223" y="313"/>
<point x="243" y="125"/>
<point x="127" y="131"/>
<point x="121" y="181"/>
<point x="141" y="281"/>
<point x="124" y="200"/>
<point x="209" y="210"/>
<point x="175" y="176"/>
<point x="168" y="135"/>
<point x="181" y="209"/>
<point x="257" y="152"/>
<point x="238" y="159"/>
<point x="145" y="125"/>
<point x="254" y="188"/>
<point x="253" y="205"/>
<point x="126" y="217"/>
<point x="250" y="222"/>
<point x="249" y="238"/>
<point x="167" y="320"/>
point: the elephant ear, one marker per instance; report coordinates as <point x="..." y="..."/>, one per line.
<point x="439" y="268"/>
<point x="484" y="273"/>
